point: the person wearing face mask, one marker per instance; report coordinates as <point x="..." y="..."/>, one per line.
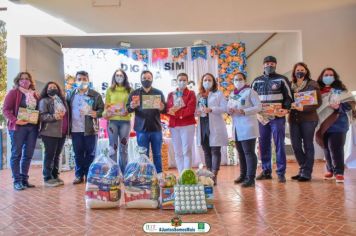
<point x="243" y="106"/>
<point x="23" y="134"/>
<point x="85" y="107"/>
<point x="335" y="115"/>
<point x="54" y="129"/>
<point x="148" y="121"/>
<point x="211" y="129"/>
<point x="272" y="88"/>
<point x="181" y="108"/>
<point x="303" y="120"/>
<point x="119" y="119"/>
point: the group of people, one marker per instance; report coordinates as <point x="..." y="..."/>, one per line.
<point x="190" y="115"/>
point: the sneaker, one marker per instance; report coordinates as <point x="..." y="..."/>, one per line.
<point x="328" y="175"/>
<point x="61" y="182"/>
<point x="281" y="179"/>
<point x="78" y="180"/>
<point x="264" y="176"/>
<point x="239" y="180"/>
<point x="248" y="183"/>
<point x="26" y="184"/>
<point x="296" y="177"/>
<point x="18" y="186"/>
<point x="51" y="183"/>
<point x="339" y="178"/>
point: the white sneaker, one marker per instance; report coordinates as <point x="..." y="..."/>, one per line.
<point x="61" y="182"/>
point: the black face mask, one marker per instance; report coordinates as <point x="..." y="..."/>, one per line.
<point x="146" y="83"/>
<point x="299" y="74"/>
<point x="270" y="70"/>
<point x="52" y="92"/>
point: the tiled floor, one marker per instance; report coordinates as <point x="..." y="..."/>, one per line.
<point x="314" y="208"/>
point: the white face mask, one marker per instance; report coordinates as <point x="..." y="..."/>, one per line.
<point x="119" y="79"/>
<point x="207" y="85"/>
<point x="239" y="84"/>
<point x="182" y="84"/>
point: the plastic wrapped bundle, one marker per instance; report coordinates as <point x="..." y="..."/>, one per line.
<point x="140" y="181"/>
<point x="103" y="184"/>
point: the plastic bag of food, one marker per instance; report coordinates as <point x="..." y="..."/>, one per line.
<point x="188" y="177"/>
<point x="103" y="184"/>
<point x="140" y="181"/>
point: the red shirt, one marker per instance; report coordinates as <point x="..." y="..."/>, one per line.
<point x="185" y="115"/>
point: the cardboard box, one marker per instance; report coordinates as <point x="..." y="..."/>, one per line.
<point x="167" y="198"/>
<point x="209" y="196"/>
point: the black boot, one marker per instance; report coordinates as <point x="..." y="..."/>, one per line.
<point x="240" y="179"/>
<point x="249" y="182"/>
<point x="26" y="184"/>
<point x="263" y="176"/>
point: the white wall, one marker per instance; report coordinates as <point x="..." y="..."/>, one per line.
<point x="44" y="61"/>
<point x="286" y="47"/>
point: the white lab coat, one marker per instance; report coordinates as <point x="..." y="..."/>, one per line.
<point x="246" y="126"/>
<point x="218" y="133"/>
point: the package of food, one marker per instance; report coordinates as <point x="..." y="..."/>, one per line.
<point x="188" y="177"/>
<point x="271" y="108"/>
<point x="209" y="196"/>
<point x="140" y="181"/>
<point x="103" y="183"/>
<point x="151" y="101"/>
<point x="167" y="183"/>
<point x="167" y="198"/>
<point x="29" y="115"/>
<point x="305" y="98"/>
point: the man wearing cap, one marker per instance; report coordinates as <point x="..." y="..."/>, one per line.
<point x="274" y="91"/>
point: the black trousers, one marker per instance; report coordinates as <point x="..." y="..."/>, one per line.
<point x="212" y="155"/>
<point x="53" y="148"/>
<point x="334" y="152"/>
<point x="247" y="158"/>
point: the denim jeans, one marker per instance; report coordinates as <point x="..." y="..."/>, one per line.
<point x="23" y="143"/>
<point x="277" y="129"/>
<point x="53" y="148"/>
<point x="119" y="132"/>
<point x="153" y="139"/>
<point x="247" y="158"/>
<point x="84" y="152"/>
<point x="302" y="138"/>
<point x="334" y="152"/>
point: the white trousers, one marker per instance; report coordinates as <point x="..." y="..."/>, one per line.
<point x="183" y="141"/>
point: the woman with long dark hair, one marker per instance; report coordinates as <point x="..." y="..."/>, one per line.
<point x="211" y="129"/>
<point x="23" y="134"/>
<point x="119" y="119"/>
<point x="335" y="116"/>
<point x="303" y="120"/>
<point x="54" y="129"/>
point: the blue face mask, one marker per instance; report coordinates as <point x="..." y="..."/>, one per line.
<point x="328" y="80"/>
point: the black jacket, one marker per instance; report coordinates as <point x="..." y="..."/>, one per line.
<point x="274" y="88"/>
<point x="148" y="120"/>
<point x="91" y="124"/>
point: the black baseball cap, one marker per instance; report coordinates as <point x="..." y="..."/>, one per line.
<point x="270" y="59"/>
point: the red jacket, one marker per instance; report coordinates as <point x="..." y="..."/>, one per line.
<point x="11" y="107"/>
<point x="185" y="115"/>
